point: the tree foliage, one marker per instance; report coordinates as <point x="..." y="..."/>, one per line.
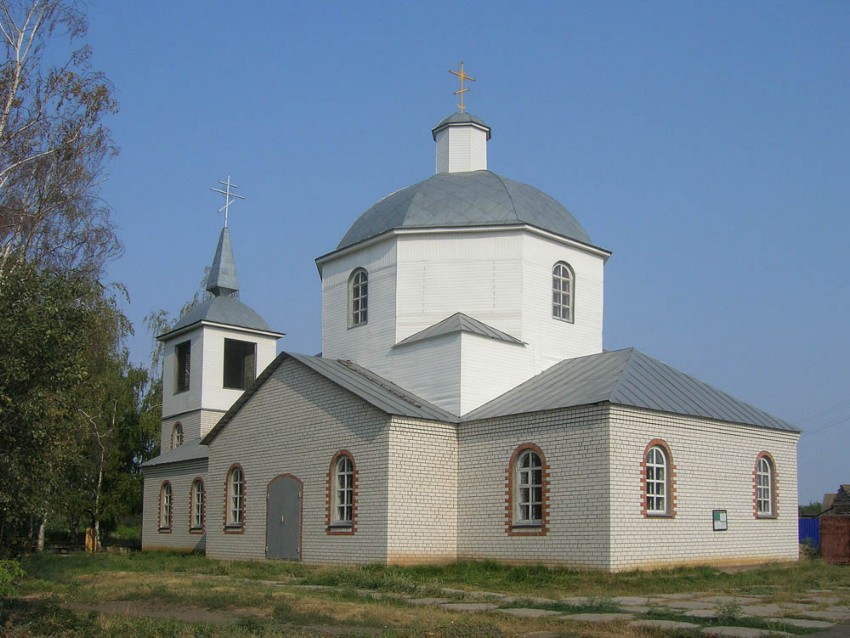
<point x="76" y="417"/>
<point x="53" y="143"/>
<point x="44" y="316"/>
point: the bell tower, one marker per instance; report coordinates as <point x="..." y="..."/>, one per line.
<point x="214" y="352"/>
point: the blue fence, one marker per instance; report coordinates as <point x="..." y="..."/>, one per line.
<point x="809" y="528"/>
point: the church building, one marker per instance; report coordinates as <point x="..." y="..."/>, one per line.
<point x="463" y="406"/>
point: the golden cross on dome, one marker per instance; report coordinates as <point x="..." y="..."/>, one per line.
<point x="463" y="77"/>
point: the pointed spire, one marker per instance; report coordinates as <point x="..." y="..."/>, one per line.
<point x="222" y="280"/>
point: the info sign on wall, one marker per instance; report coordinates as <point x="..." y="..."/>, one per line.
<point x="719" y="518"/>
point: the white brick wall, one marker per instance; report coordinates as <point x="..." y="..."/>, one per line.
<point x="429" y="492"/>
<point x="714" y="470"/>
<point x="195" y="424"/>
<point x="422" y="492"/>
<point x="295" y="424"/>
<point x="181" y="476"/>
<point x="575" y="446"/>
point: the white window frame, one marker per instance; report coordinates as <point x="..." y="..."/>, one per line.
<point x="563" y="292"/>
<point x="358" y="298"/>
<point x="198" y="496"/>
<point x="165" y="503"/>
<point x="764" y="488"/>
<point x="657" y="468"/>
<point x="528" y="489"/>
<point x="343" y="491"/>
<point x="235" y="497"/>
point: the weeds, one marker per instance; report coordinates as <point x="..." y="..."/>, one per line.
<point x="728" y="612"/>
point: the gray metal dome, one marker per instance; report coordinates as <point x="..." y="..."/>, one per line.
<point x="476" y="198"/>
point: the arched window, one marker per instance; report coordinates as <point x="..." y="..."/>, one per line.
<point x="165" y="507"/>
<point x="765" y="486"/>
<point x="177" y="435"/>
<point x="235" y="498"/>
<point x="197" y="509"/>
<point x="563" y="292"/>
<point x="528" y="490"/>
<point x="342" y="494"/>
<point x="658" y="495"/>
<point x="358" y="298"/>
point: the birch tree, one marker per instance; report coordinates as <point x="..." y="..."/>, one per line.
<point x="53" y="143"/>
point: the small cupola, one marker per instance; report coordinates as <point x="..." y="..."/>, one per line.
<point x="461" y="138"/>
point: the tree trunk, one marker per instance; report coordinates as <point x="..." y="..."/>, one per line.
<point x="39" y="546"/>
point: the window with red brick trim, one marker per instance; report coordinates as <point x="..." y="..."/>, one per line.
<point x="342" y="494"/>
<point x="235" y="499"/>
<point x="764" y="486"/>
<point x="658" y="481"/>
<point x="177" y="435"/>
<point x="527" y="500"/>
<point x="165" y="507"/>
<point x="197" y="513"/>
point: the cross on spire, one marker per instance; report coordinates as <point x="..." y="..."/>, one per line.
<point x="229" y="197"/>
<point x="463" y="77"/>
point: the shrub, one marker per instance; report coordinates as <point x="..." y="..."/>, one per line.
<point x="10" y="573"/>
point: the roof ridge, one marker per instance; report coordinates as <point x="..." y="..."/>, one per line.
<point x="508" y="191"/>
<point x="382" y="383"/>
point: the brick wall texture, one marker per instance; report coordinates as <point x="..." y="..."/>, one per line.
<point x="430" y="492"/>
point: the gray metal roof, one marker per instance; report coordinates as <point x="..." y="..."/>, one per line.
<point x="225" y="310"/>
<point x="459" y="322"/>
<point x="383" y="394"/>
<point x="624" y="377"/>
<point x="223" y="307"/>
<point x="189" y="451"/>
<point x="474" y="198"/>
<point x="458" y="119"/>
<point x="222" y="279"/>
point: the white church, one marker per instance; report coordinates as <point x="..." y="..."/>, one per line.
<point x="463" y="406"/>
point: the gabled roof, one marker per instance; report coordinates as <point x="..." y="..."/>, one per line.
<point x="382" y="394"/>
<point x="189" y="451"/>
<point x="460" y="322"/>
<point x="624" y="377"/>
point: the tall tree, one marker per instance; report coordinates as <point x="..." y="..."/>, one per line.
<point x="59" y="327"/>
<point x="53" y="143"/>
<point x="44" y="319"/>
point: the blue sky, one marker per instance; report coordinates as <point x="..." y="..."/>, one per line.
<point x="705" y="144"/>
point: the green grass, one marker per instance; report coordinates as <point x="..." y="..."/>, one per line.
<point x="262" y="599"/>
